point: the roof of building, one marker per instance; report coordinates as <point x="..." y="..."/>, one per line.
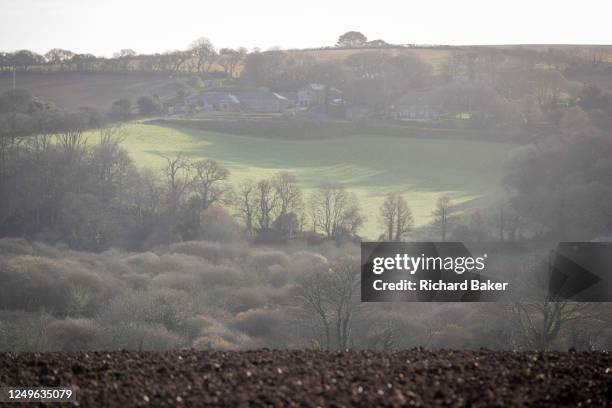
<point x="258" y="95"/>
<point x="313" y="87"/>
<point x="431" y="97"/>
<point x="288" y="94"/>
<point x="214" y="97"/>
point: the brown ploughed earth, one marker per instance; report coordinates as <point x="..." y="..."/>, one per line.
<point x="282" y="378"/>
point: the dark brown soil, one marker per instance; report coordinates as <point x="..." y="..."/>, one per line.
<point x="311" y="378"/>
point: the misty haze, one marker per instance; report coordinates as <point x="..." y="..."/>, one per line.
<point x="191" y="192"/>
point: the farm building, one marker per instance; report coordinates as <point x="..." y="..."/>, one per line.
<point x="315" y="94"/>
<point x="422" y="106"/>
<point x="238" y="101"/>
<point x="214" y="102"/>
<point x="262" y="101"/>
<point x="356" y="112"/>
<point x="291" y="97"/>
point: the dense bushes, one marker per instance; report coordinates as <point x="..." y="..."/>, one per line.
<point x="34" y="283"/>
<point x="231" y="296"/>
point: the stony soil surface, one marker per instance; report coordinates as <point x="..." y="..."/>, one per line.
<point x="311" y="378"/>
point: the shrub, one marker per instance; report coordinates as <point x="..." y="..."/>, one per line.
<point x="264" y="324"/>
<point x="42" y="249"/>
<point x="23" y="332"/>
<point x="72" y="334"/>
<point x="220" y="337"/>
<point x="211" y="251"/>
<point x="148" y="106"/>
<point x="262" y="260"/>
<point x="242" y="298"/>
<point x="165" y="307"/>
<point x="453" y="336"/>
<point x="217" y="225"/>
<point x="142" y="262"/>
<point x="212" y="276"/>
<point x="212" y="342"/>
<point x="33" y="283"/>
<point x="15" y="246"/>
<point x="137" y="281"/>
<point x="195" y="326"/>
<point x="184" y="281"/>
<point x="136" y="336"/>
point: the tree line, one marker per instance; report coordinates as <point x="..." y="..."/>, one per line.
<point x="201" y="57"/>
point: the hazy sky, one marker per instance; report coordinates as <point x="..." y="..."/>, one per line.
<point x="105" y="26"/>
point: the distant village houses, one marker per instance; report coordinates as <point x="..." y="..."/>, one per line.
<point x="318" y="94"/>
<point x="235" y="101"/>
<point x="420" y="106"/>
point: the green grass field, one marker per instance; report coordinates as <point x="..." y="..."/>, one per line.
<point x="371" y="166"/>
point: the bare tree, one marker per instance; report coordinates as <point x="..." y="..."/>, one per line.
<point x="396" y="217"/>
<point x="178" y="179"/>
<point x="540" y="323"/>
<point x="332" y="296"/>
<point x="311" y="290"/>
<point x="288" y="192"/>
<point x="343" y="286"/>
<point x="112" y="162"/>
<point x="267" y="204"/>
<point x="70" y="138"/>
<point x="229" y="59"/>
<point x="204" y="53"/>
<point x="335" y="211"/>
<point x="178" y="59"/>
<point x="291" y="203"/>
<point x="245" y="203"/>
<point x="207" y="182"/>
<point x="442" y="215"/>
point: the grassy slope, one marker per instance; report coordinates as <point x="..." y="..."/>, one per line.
<point x="369" y="165"/>
<point x="434" y="56"/>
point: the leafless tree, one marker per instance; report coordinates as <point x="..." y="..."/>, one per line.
<point x="230" y="59"/>
<point x="333" y="298"/>
<point x="335" y="211"/>
<point x="207" y="183"/>
<point x="540" y="323"/>
<point x="288" y="192"/>
<point x="267" y="204"/>
<point x="396" y="217"/>
<point x="291" y="203"/>
<point x="178" y="179"/>
<point x="204" y="53"/>
<point x="442" y="215"/>
<point x="245" y="202"/>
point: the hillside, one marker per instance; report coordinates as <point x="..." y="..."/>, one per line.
<point x="71" y="90"/>
<point x="369" y="165"/>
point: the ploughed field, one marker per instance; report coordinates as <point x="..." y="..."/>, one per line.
<point x="415" y="377"/>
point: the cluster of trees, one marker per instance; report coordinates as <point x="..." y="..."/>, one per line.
<point x="560" y="184"/>
<point x="494" y="88"/>
<point x="371" y="78"/>
<point x="201" y="57"/>
<point x="65" y="177"/>
<point x="356" y="39"/>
